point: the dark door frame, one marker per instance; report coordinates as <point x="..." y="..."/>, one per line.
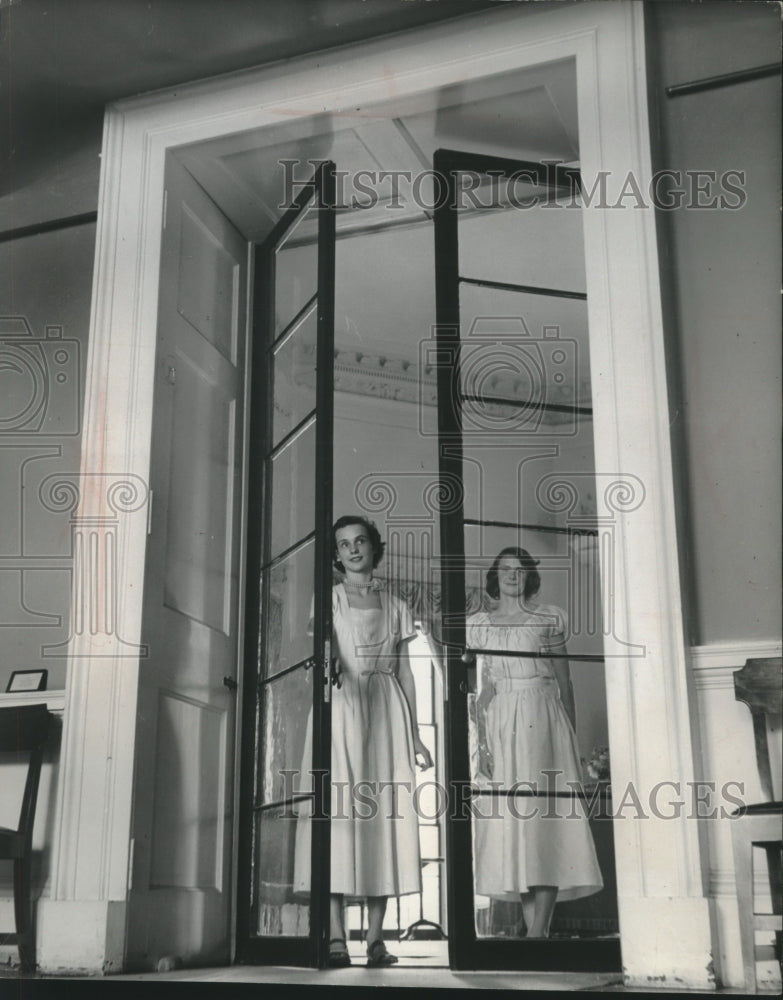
<point x="466" y="950"/>
<point x="311" y="950"/>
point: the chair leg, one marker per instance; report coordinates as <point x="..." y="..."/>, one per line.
<point x="23" y="914"/>
<point x="743" y="874"/>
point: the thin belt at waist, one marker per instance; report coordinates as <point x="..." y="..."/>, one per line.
<point x="505" y="685"/>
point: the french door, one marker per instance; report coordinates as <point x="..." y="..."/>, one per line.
<point x="283" y="870"/>
<point x="511" y="353"/>
<point x="515" y="460"/>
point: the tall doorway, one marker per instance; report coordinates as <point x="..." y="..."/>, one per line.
<point x="387" y="454"/>
<point x="235" y="140"/>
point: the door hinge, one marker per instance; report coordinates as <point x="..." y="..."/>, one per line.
<point x="131" y="853"/>
<point x="150" y="495"/>
<point x="165" y="207"/>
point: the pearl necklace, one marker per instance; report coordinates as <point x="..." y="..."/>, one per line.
<point x="374" y="584"/>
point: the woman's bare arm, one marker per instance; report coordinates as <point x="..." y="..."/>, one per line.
<point x="408" y="685"/>
<point x="562" y="672"/>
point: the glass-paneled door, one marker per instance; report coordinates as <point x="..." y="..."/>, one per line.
<point x="284" y="847"/>
<point x="530" y="850"/>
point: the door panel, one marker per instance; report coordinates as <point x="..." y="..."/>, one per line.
<point x="180" y="901"/>
<point x="199" y="574"/>
<point x="515" y="436"/>
<point x="207" y="275"/>
<point x="284" y="850"/>
<point x="187" y="832"/>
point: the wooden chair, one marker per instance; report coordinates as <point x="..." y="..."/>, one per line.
<point x="759" y="684"/>
<point x="23" y="730"/>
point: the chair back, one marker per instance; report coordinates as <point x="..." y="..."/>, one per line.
<point x="24" y="729"/>
<point x="759" y="684"/>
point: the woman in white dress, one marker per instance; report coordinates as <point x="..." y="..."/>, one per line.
<point x="538" y="849"/>
<point x="375" y="745"/>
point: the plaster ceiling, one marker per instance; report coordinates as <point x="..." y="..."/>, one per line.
<point x="385" y="304"/>
<point x="530" y="114"/>
<point x="62" y="61"/>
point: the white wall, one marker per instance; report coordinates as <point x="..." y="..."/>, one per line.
<point x="724" y="316"/>
<point x="721" y="269"/>
<point x="45" y="281"/>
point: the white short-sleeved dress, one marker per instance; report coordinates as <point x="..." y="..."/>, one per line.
<point x="374" y="827"/>
<point x="530" y="841"/>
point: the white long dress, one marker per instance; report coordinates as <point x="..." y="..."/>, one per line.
<point x="530" y="841"/>
<point x="374" y="827"/>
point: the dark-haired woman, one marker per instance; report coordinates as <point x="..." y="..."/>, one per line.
<point x="375" y="745"/>
<point x="533" y="848"/>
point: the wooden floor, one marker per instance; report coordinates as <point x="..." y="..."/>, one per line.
<point x="423" y="965"/>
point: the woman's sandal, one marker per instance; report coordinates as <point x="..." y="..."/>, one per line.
<point x="378" y="956"/>
<point x="338" y="957"/>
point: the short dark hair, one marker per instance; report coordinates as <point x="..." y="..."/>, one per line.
<point x="532" y="579"/>
<point x="378" y="545"/>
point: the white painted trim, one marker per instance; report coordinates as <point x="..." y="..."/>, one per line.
<point x="651" y="713"/>
<point x="723" y="883"/>
<point x="733" y="654"/>
<point x="713" y="665"/>
<point x="54" y="700"/>
<point x="649" y="700"/>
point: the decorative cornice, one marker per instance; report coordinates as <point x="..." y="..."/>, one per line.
<point x="723" y="883"/>
<point x="713" y="665"/>
<point x="384" y="376"/>
<point x="388" y="376"/>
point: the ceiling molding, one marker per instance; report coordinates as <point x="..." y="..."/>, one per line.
<point x="381" y="375"/>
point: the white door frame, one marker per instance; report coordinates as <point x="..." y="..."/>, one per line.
<point x="664" y="919"/>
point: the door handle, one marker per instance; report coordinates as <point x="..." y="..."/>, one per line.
<point x="230" y="683"/>
<point x="329" y="676"/>
<point x="468" y="686"/>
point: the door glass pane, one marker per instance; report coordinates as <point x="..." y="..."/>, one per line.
<point x="293" y="490"/>
<point x="296" y="270"/>
<point x="525" y="349"/>
<point x="285" y="747"/>
<point x="279" y="909"/>
<point x="531" y="237"/>
<point x="288" y="637"/>
<point x="293" y="373"/>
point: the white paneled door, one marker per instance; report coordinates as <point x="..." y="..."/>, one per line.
<point x="180" y="870"/>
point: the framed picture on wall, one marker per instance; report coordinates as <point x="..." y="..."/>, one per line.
<point x="27" y="680"/>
